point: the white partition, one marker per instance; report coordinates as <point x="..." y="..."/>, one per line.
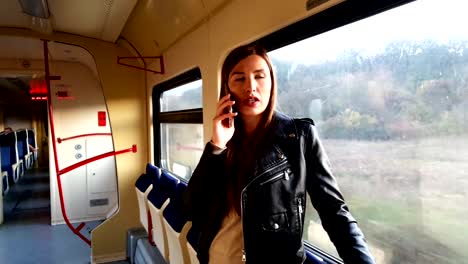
<point x="81" y="120"/>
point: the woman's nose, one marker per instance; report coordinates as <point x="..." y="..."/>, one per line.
<point x="251" y="85"/>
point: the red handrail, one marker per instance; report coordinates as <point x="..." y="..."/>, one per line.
<point x="60" y="140"/>
<point x="48" y="78"/>
<point x="76" y="231"/>
<point x="98" y="157"/>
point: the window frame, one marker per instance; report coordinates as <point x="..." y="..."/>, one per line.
<point x="186" y="116"/>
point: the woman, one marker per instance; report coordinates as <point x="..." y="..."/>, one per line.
<point x="247" y="195"/>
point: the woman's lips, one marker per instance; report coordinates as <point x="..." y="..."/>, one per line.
<point x="251" y="101"/>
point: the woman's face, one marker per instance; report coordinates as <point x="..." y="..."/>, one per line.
<point x="250" y="84"/>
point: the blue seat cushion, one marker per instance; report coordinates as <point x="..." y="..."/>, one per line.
<point x="173" y="212"/>
<point x="162" y="191"/>
<point x="154" y="173"/>
<point x="31" y="140"/>
<point x="143" y="182"/>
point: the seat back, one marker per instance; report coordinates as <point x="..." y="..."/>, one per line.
<point x="174" y="221"/>
<point x="143" y="186"/>
<point x="23" y="148"/>
<point x="5" y="183"/>
<point x="22" y="143"/>
<point x="9" y="155"/>
<point x="5" y="152"/>
<point x="32" y="140"/>
<point x="158" y="198"/>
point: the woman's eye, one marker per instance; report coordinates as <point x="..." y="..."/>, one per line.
<point x="261" y="76"/>
<point x="240" y="79"/>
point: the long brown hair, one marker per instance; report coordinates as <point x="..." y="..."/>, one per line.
<point x="241" y="156"/>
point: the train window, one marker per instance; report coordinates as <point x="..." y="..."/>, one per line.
<point x="389" y="95"/>
<point x="178" y="123"/>
<point x="187" y="96"/>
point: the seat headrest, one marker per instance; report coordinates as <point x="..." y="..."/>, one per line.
<point x="21" y="134"/>
<point x="154" y="173"/>
<point x="7" y="139"/>
<point x="143" y="182"/>
<point x="168" y="181"/>
<point x="165" y="188"/>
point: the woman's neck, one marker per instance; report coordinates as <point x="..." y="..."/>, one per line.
<point x="250" y="124"/>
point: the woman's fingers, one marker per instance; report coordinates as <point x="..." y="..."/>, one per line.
<point x="224" y="116"/>
<point x="222" y="107"/>
<point x="223" y="99"/>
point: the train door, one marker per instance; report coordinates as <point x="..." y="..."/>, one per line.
<point x="79" y="121"/>
<point x="81" y="132"/>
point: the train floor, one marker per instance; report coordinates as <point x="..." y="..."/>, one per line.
<point x="26" y="236"/>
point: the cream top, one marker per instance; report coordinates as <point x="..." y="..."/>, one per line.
<point x="227" y="245"/>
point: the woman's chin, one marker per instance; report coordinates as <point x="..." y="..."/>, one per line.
<point x="251" y="113"/>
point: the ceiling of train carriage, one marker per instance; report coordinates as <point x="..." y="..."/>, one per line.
<point x="164" y="22"/>
<point x="100" y="19"/>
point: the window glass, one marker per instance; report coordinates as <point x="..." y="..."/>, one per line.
<point x="389" y="96"/>
<point x="179" y="123"/>
<point x="181" y="148"/>
<point x="187" y="96"/>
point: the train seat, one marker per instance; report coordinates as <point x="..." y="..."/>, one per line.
<point x="32" y="140"/>
<point x="192" y="243"/>
<point x="142" y="188"/>
<point x="9" y="157"/>
<point x="4" y="179"/>
<point x="5" y="167"/>
<point x="23" y="149"/>
<point x="158" y="198"/>
<point x="174" y="222"/>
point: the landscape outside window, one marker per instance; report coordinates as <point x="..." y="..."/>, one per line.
<point x="181" y="144"/>
<point x="389" y="96"/>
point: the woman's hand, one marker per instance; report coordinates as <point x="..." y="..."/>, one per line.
<point x="222" y="131"/>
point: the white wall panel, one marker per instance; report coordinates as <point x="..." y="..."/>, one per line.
<point x="90" y="191"/>
<point x="101" y="173"/>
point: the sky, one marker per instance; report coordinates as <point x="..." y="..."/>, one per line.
<point x="438" y="20"/>
<point x="183" y="88"/>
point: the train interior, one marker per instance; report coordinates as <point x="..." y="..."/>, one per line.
<point x="105" y="107"/>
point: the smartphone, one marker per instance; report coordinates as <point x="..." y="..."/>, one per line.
<point x="228" y="121"/>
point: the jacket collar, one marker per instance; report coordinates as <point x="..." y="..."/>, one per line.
<point x="283" y="126"/>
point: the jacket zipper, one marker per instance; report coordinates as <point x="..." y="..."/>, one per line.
<point x="276" y="177"/>
<point x="300" y="209"/>
<point x="244" y="255"/>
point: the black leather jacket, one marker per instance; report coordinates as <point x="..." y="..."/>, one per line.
<point x="273" y="202"/>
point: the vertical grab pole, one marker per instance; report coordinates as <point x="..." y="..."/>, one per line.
<point x="76" y="231"/>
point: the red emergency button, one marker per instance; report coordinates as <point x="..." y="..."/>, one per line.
<point x="101" y="118"/>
